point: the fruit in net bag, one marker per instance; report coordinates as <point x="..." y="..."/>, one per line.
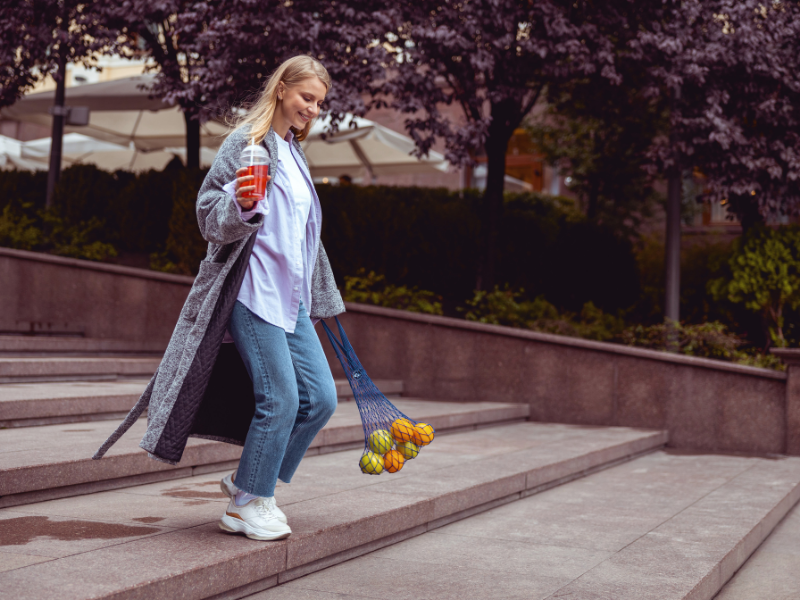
<point x="380" y="441"/>
<point x="403" y="430"/>
<point x="423" y="434"/>
<point x="408" y="449"/>
<point x="371" y="463"/>
<point x="393" y="461"/>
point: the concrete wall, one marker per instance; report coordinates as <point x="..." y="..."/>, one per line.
<point x="40" y="293"/>
<point x="705" y="404"/>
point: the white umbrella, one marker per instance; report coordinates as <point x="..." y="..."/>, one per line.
<point x="121" y="113"/>
<point x="82" y="149"/>
<point x="377" y="149"/>
<point x="12" y="157"/>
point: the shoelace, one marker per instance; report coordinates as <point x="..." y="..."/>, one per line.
<point x="265" y="508"/>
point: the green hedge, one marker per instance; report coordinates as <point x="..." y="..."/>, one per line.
<point x="415" y="237"/>
<point x="428" y="238"/>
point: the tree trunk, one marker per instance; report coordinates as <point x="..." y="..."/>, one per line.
<point x="57" y="132"/>
<point x="593" y="201"/>
<point x="192" y="141"/>
<point x="749" y="214"/>
<point x="505" y="118"/>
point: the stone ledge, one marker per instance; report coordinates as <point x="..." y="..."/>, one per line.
<point x="96" y="266"/>
<point x="564" y="340"/>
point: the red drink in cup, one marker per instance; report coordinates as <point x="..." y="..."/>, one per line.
<point x="260" y="172"/>
<point x="255" y="158"/>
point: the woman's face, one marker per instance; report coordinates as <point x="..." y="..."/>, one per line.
<point x="300" y="103"/>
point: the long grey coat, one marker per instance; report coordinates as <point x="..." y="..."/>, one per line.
<point x="201" y="387"/>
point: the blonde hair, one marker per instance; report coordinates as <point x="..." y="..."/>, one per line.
<point x="260" y="113"/>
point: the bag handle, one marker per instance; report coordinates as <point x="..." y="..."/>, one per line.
<point x="344" y="350"/>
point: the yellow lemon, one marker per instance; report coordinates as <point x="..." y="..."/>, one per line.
<point x="371" y="463"/>
<point x="380" y="441"/>
<point x="408" y="449"/>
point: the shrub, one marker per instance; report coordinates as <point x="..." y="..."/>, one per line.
<point x="373" y="289"/>
<point x="185" y="246"/>
<point x="764" y="276"/>
<point x="706" y="340"/>
<point x="24" y="228"/>
<point x="508" y="307"/>
<point x="18" y="229"/>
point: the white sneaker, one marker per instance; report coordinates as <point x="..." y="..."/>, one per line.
<point x="226" y="485"/>
<point x="229" y="489"/>
<point x="257" y="520"/>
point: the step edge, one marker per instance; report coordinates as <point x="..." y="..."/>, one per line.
<point x="727" y="567"/>
<point x="15" y="498"/>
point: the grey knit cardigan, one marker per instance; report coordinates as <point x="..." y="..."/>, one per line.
<point x="201" y="387"/>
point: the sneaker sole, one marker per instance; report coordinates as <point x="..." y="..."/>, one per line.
<point x="232" y="525"/>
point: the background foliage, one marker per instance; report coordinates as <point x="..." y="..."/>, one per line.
<point x="415" y="249"/>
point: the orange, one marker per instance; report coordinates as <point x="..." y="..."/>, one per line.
<point x="403" y="430"/>
<point x="423" y="434"/>
<point x="393" y="461"/>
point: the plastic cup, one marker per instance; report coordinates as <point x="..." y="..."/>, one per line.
<point x="256" y="160"/>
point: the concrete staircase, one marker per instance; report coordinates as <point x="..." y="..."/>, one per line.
<point x="496" y="507"/>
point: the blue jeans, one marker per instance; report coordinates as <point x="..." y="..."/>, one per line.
<point x="295" y="396"/>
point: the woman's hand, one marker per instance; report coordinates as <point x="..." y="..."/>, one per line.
<point x="242" y="188"/>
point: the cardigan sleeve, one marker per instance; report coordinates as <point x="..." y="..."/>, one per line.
<point x="219" y="219"/>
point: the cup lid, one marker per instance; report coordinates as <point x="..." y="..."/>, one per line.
<point x="254" y="154"/>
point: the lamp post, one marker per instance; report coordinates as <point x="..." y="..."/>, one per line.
<point x="672" y="245"/>
<point x="59" y="112"/>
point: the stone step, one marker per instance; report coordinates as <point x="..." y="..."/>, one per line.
<point x="47" y="403"/>
<point x="162" y="540"/>
<point x="663" y="526"/>
<point x="772" y="571"/>
<point x="54" y="461"/>
<point x="41" y="369"/>
<point x="43" y="345"/>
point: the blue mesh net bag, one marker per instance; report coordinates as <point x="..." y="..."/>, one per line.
<point x="390" y="437"/>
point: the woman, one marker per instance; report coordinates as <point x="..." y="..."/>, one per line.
<point x="264" y="278"/>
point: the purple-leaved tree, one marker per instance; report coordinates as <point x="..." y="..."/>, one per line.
<point x="161" y="32"/>
<point x="243" y="41"/>
<point x="37" y="39"/>
<point x="214" y="54"/>
<point x="492" y="59"/>
<point x="729" y="72"/>
<point x="732" y="71"/>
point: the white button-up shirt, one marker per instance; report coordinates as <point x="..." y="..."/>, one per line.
<point x="279" y="273"/>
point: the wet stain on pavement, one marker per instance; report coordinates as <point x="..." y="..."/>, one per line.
<point x="21" y="530"/>
<point x="185" y="491"/>
<point x="148" y="519"/>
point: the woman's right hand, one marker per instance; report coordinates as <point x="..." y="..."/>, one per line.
<point x="242" y="188"/>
